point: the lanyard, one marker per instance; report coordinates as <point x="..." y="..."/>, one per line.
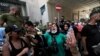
<point x="54" y="40"/>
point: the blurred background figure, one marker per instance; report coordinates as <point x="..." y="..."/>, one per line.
<point x="61" y="22"/>
<point x="2" y="37"/>
<point x="12" y="18"/>
<point x="49" y="25"/>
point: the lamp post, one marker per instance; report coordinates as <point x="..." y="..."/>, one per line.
<point x="58" y="9"/>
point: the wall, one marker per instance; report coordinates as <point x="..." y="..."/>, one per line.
<point x="53" y="13"/>
<point x="68" y="13"/>
<point x="33" y="10"/>
<point x="44" y="16"/>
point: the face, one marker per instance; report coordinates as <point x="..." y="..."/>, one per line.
<point x="54" y="28"/>
<point x="62" y="17"/>
<point x="14" y="10"/>
<point x="49" y="25"/>
<point x="14" y="34"/>
<point x="29" y="28"/>
<point x="96" y="16"/>
<point x="65" y="27"/>
<point x="26" y="26"/>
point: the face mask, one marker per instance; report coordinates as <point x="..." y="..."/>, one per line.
<point x="54" y="31"/>
<point x="48" y="30"/>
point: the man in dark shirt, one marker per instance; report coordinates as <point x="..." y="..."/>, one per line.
<point x="33" y="39"/>
<point x="91" y="33"/>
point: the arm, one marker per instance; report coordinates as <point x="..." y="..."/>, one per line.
<point x="84" y="32"/>
<point x="84" y="45"/>
<point x="6" y="51"/>
<point x="3" y="19"/>
<point x="31" y="38"/>
<point x="71" y="40"/>
<point x="24" y="51"/>
<point x="35" y="41"/>
<point x="1" y="22"/>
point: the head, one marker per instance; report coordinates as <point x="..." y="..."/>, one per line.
<point x="15" y="33"/>
<point x="29" y="26"/>
<point x="49" y="25"/>
<point x="95" y="14"/>
<point x="8" y="30"/>
<point x="54" y="28"/>
<point x="12" y="32"/>
<point x="14" y="10"/>
<point x="62" y="17"/>
<point x="66" y="26"/>
<point x="68" y="21"/>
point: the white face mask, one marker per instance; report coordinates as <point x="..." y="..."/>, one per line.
<point x="54" y="31"/>
<point x="48" y="30"/>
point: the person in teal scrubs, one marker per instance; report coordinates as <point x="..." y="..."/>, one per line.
<point x="55" y="41"/>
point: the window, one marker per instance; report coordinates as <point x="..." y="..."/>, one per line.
<point x="42" y="9"/>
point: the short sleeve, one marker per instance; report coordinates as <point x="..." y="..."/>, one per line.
<point x="84" y="31"/>
<point x="75" y="30"/>
<point x="3" y="17"/>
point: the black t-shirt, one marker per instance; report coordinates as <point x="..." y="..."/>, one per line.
<point x="39" y="39"/>
<point x="75" y="31"/>
<point x="92" y="33"/>
<point x="15" y="51"/>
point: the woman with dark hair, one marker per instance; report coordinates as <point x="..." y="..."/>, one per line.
<point x="15" y="46"/>
<point x="65" y="31"/>
<point x="55" y="41"/>
<point x="65" y="28"/>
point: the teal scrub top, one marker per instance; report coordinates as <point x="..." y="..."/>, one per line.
<point x="60" y="39"/>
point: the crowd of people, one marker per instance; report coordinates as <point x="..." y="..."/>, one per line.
<point x="23" y="38"/>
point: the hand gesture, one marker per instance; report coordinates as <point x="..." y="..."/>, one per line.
<point x="71" y="40"/>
